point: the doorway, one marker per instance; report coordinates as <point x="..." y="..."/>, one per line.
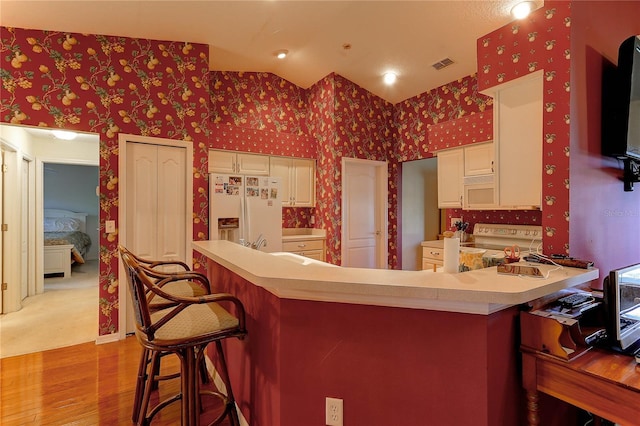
<point x="364" y="213"/>
<point x="32" y="319"/>
<point x="420" y="215"/>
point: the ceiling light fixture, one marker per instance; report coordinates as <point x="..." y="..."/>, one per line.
<point x="522" y="9"/>
<point x="281" y="54"/>
<point x="64" y="135"/>
<point x="389" y="78"/>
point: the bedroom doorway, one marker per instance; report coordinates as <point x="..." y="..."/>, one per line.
<point x="40" y="321"/>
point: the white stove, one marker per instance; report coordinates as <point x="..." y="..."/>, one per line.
<point x="496" y="237"/>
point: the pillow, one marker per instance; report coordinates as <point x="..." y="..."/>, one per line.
<point x="61" y="224"/>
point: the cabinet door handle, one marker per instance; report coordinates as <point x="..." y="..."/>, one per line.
<point x="435" y="253"/>
<point x="303" y="245"/>
<point x="492" y="167"/>
<point x="461" y="201"/>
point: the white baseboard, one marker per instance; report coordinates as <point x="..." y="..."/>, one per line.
<point x="107" y="338"/>
<point x="219" y="384"/>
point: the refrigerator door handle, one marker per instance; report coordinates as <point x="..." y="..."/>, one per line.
<point x="246" y="219"/>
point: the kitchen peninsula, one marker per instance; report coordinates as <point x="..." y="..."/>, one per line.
<point x="399" y="347"/>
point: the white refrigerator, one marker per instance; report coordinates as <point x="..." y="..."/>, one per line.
<point x="246" y="210"/>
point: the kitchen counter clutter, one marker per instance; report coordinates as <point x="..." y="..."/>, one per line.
<point x="481" y="291"/>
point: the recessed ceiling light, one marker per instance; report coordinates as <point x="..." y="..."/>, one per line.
<point x="389" y="77"/>
<point x="522" y="9"/>
<point x="281" y="54"/>
<point x="64" y="135"/>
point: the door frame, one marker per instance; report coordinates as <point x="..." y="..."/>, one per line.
<point x="381" y="208"/>
<point x="123" y="139"/>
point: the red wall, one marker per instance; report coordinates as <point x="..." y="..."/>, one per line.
<point x="604" y="223"/>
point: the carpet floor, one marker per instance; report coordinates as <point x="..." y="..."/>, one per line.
<point x="65" y="314"/>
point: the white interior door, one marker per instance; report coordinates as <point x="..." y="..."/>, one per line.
<point x="156" y="190"/>
<point x="171" y="203"/>
<point x="364" y="217"/>
<point x="142" y="183"/>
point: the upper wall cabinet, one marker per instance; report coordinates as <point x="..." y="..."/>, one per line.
<point x="466" y="177"/>
<point x="479" y="159"/>
<point x="298" y="180"/>
<point x="235" y="162"/>
<point x="518" y="135"/>
<point x="450" y="174"/>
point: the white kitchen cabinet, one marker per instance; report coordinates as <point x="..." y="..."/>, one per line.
<point x="479" y="159"/>
<point x="298" y="180"/>
<point x="230" y="162"/>
<point x="478" y="184"/>
<point x="432" y="255"/>
<point x="312" y="248"/>
<point x="518" y="109"/>
<point x="450" y="175"/>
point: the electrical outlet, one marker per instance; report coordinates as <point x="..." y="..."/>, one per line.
<point x="334" y="412"/>
<point x="454" y="220"/>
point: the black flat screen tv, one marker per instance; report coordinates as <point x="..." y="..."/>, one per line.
<point x="621" y="115"/>
<point x="622" y="306"/>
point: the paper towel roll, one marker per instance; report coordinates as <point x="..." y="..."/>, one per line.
<point x="451" y="255"/>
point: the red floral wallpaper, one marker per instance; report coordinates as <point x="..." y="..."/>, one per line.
<point x="541" y="41"/>
<point x="109" y="85"/>
<point x="416" y="116"/>
<point x="349" y="122"/>
<point x="461" y="131"/>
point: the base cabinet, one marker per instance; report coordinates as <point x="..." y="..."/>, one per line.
<point x="311" y="248"/>
<point x="432" y="258"/>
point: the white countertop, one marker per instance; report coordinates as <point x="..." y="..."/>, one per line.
<point x="482" y="291"/>
<point x="296" y="234"/>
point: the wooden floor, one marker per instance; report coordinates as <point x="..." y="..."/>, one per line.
<point x="86" y="384"/>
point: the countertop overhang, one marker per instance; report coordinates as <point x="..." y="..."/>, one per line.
<point x="482" y="291"/>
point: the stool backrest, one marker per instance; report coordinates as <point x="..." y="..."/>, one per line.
<point x="137" y="291"/>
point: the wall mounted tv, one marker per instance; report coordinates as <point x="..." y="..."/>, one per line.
<point x="621" y="111"/>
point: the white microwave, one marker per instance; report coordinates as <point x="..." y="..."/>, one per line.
<point x="479" y="192"/>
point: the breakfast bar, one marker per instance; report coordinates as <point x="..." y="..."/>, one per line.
<point x="398" y="347"/>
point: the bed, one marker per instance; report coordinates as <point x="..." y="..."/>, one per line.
<point x="65" y="240"/>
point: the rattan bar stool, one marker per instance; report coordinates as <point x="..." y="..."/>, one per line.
<point x="180" y="288"/>
<point x="185" y="328"/>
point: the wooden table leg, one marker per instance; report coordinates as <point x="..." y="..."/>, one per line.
<point x="532" y="408"/>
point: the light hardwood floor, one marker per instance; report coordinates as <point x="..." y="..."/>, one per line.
<point x="85" y="384"/>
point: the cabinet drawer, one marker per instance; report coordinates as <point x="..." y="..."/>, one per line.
<point x="432" y="254"/>
<point x="302" y="245"/>
<point x="312" y="254"/>
<point x="428" y="265"/>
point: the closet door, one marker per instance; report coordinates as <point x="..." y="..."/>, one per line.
<point x="156" y="201"/>
<point x="142" y="187"/>
<point x="171" y="203"/>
